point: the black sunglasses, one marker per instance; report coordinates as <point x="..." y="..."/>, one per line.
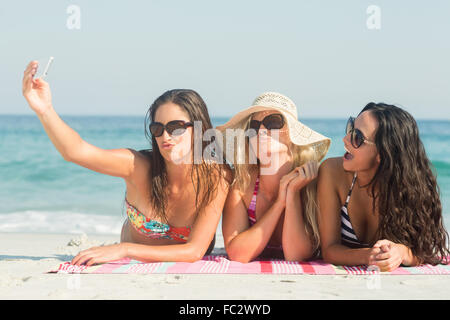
<point x="174" y="127"/>
<point x="356" y="136"/>
<point x="272" y="121"/>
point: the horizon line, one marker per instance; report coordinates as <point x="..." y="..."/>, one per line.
<point x="212" y="117"/>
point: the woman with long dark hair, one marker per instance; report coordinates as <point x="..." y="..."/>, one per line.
<point x="379" y="203"/>
<point x="174" y="203"/>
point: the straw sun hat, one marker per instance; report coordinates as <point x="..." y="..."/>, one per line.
<point x="299" y="133"/>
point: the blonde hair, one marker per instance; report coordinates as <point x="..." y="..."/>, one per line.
<point x="303" y="154"/>
<point x="243" y="170"/>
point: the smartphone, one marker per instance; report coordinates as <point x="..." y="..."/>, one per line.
<point x="47" y="67"/>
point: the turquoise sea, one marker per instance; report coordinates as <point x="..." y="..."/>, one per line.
<point x="41" y="192"/>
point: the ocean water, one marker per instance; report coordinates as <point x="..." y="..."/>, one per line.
<point x="41" y="192"/>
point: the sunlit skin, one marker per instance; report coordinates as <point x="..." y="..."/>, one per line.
<point x="270" y="146"/>
<point x="279" y="218"/>
<point x="133" y="167"/>
<point x="335" y="177"/>
<point x="178" y="175"/>
<point x="175" y="149"/>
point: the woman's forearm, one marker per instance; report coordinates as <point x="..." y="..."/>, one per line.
<point x="66" y="140"/>
<point x="177" y="252"/>
<point x="249" y="244"/>
<point x="409" y="259"/>
<point x="296" y="241"/>
<point x="342" y="255"/>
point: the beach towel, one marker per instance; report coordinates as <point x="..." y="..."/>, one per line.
<point x="219" y="264"/>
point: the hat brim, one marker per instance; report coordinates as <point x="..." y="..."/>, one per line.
<point x="299" y="133"/>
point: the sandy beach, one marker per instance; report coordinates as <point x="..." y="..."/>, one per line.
<point x="25" y="259"/>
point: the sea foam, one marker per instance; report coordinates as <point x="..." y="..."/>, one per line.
<point x="60" y="222"/>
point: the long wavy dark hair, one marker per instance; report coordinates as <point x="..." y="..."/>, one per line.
<point x="205" y="176"/>
<point x="404" y="187"/>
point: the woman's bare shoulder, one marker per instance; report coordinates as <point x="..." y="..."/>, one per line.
<point x="144" y="155"/>
<point x="332" y="168"/>
<point x="141" y="165"/>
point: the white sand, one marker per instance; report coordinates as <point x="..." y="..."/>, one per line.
<point x="24" y="259"/>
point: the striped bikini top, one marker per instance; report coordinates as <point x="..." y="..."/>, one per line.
<point x="155" y="229"/>
<point x="348" y="235"/>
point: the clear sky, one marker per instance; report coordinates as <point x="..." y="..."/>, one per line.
<point x="319" y="53"/>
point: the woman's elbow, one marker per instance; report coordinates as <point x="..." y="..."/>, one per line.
<point x="240" y="258"/>
<point x="298" y="255"/>
<point x="295" y="257"/>
<point x="327" y="255"/>
<point x="67" y="157"/>
<point x="194" y="254"/>
<point x="75" y="152"/>
<point x="193" y="258"/>
<point x="234" y="254"/>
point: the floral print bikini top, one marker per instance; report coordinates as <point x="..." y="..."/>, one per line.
<point x="155" y="229"/>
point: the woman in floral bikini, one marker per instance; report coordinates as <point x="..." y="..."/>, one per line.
<point x="173" y="204"/>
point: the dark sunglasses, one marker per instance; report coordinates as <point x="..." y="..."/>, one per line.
<point x="174" y="127"/>
<point x="356" y="136"/>
<point x="272" y="121"/>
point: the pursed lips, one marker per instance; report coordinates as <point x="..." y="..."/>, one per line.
<point x="167" y="145"/>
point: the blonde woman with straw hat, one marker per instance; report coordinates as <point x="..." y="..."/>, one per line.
<point x="270" y="211"/>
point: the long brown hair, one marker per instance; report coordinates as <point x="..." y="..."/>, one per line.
<point x="205" y="176"/>
<point x="404" y="187"/>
